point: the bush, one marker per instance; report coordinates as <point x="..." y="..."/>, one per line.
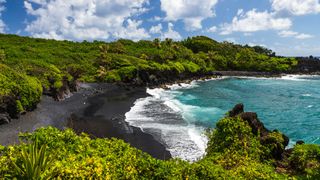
<point x="33" y="163"/>
<point x="233" y="152"/>
<point x="305" y="159"/>
<point x="233" y="135"/>
<point x="24" y="89"/>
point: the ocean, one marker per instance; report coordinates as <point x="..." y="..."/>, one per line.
<point x="178" y="117"/>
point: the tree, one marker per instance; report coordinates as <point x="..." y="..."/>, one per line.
<point x="104" y="60"/>
<point x="157" y="43"/>
<point x="2" y="55"/>
<point x="168" y="41"/>
<point x="117" y="48"/>
<point x="244" y="58"/>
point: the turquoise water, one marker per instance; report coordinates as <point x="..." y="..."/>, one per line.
<point x="290" y="104"/>
<point x="178" y="117"/>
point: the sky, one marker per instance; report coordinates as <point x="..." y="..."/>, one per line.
<point x="288" y="27"/>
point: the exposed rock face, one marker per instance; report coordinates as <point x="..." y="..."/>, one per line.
<point x="8" y="104"/>
<point x="273" y="139"/>
<point x="4" y="118"/>
<point x="236" y="110"/>
<point x="300" y="142"/>
<point x="256" y="125"/>
<point x="153" y="78"/>
<point x="66" y="89"/>
<point x="8" y="109"/>
<point x="307" y="65"/>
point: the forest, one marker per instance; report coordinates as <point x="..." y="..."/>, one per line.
<point x="31" y="67"/>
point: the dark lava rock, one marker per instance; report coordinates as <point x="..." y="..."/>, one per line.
<point x="274" y="140"/>
<point x="300" y="142"/>
<point x="4" y="118"/>
<point x="8" y="106"/>
<point x="239" y="108"/>
<point x="256" y="125"/>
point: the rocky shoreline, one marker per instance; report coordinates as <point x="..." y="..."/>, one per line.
<point x="99" y="109"/>
<point x="96" y="109"/>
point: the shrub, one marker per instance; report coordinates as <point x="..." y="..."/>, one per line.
<point x="33" y="163"/>
<point x="127" y="73"/>
<point x="24" y="89"/>
<point x="305" y="159"/>
<point x="233" y="135"/>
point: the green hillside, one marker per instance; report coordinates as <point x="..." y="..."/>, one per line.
<point x="51" y="63"/>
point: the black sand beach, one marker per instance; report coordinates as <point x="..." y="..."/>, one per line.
<point x="97" y="109"/>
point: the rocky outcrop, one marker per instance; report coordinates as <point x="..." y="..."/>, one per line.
<point x="8" y="109"/>
<point x="274" y="140"/>
<point x="4" y="118"/>
<point x="307" y="65"/>
<point x="154" y="79"/>
<point x="65" y="90"/>
<point x="236" y="110"/>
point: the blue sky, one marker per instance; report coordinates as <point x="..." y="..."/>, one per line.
<point x="289" y="27"/>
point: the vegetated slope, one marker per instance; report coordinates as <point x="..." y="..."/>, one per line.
<point x="239" y="148"/>
<point x="58" y="65"/>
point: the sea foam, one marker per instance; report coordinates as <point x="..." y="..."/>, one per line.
<point x="170" y="122"/>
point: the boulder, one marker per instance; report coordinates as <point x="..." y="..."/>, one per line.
<point x="256" y="125"/>
<point x="4" y="118"/>
<point x="300" y="142"/>
<point x="238" y="109"/>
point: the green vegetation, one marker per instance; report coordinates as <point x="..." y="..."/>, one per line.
<point x="25" y="91"/>
<point x="233" y="152"/>
<point x="34" y="163"/>
<point x="50" y="63"/>
<point x="305" y="159"/>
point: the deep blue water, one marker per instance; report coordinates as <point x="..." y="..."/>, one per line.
<point x="291" y="105"/>
<point x="178" y="117"/>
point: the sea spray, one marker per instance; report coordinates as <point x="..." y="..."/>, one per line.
<point x="170" y="122"/>
<point x="179" y="116"/>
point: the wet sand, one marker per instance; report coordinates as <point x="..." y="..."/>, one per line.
<point x="97" y="109"/>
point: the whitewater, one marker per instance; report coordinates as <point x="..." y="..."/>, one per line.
<point x="179" y="117"/>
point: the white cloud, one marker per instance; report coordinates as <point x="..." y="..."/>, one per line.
<point x="190" y="11"/>
<point x="85" y="19"/>
<point x="171" y="33"/>
<point x="255" y="44"/>
<point x="303" y="36"/>
<point x="294" y="34"/>
<point x="297" y="49"/>
<point x="232" y="40"/>
<point x="253" y="21"/>
<point x="155" y="19"/>
<point x="2" y="24"/>
<point x="212" y="29"/>
<point x="296" y="7"/>
<point x="288" y="33"/>
<point x="132" y="31"/>
<point x="156" y="29"/>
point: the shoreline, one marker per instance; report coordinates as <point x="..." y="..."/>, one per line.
<point x="96" y="109"/>
<point x="99" y="109"/>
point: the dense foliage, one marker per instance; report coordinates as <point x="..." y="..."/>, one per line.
<point x="23" y="89"/>
<point x="52" y="62"/>
<point x="233" y="152"/>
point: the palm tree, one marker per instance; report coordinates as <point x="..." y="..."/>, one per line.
<point x="157" y="43"/>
